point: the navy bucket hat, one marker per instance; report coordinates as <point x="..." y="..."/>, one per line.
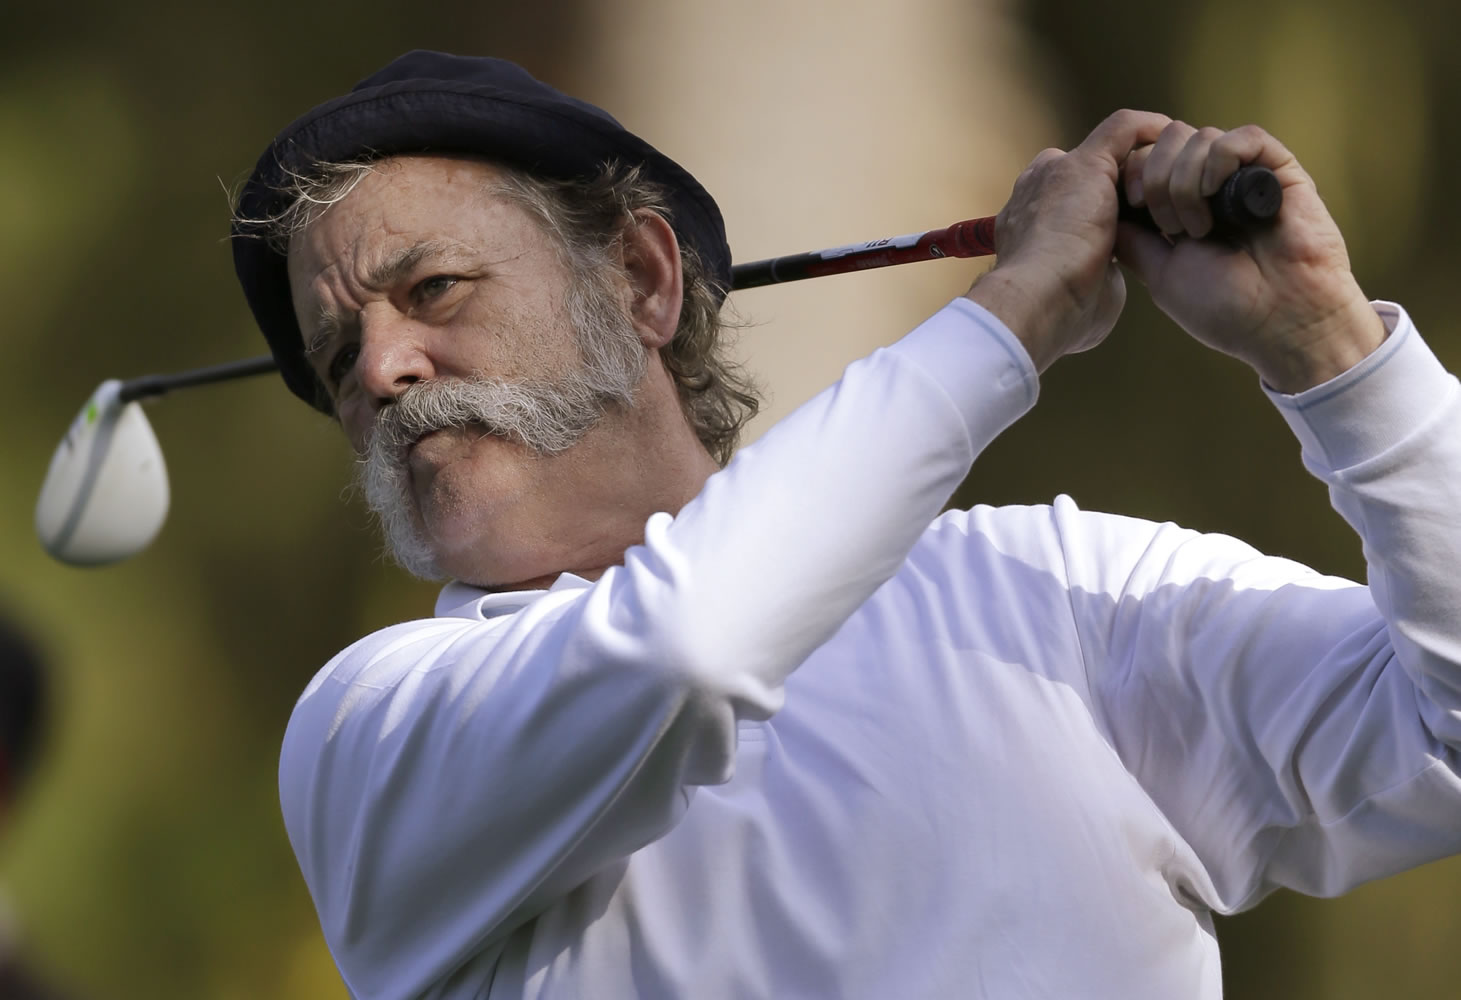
<point x="435" y="102"/>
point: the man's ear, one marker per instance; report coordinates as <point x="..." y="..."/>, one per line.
<point x="652" y="264"/>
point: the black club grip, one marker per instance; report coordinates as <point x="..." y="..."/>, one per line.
<point x="1251" y="196"/>
<point x="1249" y="199"/>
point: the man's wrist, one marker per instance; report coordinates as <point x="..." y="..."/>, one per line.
<point x="1342" y="342"/>
<point x="1022" y="313"/>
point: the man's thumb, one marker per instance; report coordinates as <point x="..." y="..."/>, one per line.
<point x="1144" y="251"/>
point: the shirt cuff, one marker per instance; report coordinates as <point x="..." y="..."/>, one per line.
<point x="1375" y="405"/>
<point x="982" y="366"/>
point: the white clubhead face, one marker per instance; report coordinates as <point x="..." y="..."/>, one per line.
<point x="105" y="495"/>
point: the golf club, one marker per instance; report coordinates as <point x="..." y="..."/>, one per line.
<point x="105" y="494"/>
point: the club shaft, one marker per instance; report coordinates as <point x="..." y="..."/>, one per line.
<point x="155" y="385"/>
<point x="970" y="238"/>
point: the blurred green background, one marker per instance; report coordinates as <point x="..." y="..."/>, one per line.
<point x="149" y="860"/>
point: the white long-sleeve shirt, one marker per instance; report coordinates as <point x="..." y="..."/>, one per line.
<point x="814" y="740"/>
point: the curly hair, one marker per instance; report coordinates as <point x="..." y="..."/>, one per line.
<point x="585" y="219"/>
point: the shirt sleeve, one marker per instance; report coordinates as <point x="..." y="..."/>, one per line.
<point x="1298" y="730"/>
<point x="442" y="781"/>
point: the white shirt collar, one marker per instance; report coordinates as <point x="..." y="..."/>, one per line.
<point x="462" y="600"/>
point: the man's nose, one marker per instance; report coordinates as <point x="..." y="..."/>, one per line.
<point x="393" y="356"/>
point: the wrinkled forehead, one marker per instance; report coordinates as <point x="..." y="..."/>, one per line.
<point x="406" y="201"/>
<point x="402" y="193"/>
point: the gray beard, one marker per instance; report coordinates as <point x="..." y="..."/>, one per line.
<point x="547" y="416"/>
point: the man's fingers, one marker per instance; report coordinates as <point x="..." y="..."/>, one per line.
<point x="1156" y="176"/>
<point x="1240" y="147"/>
<point x="1122" y="132"/>
<point x="1131" y="176"/>
<point x="1186" y="183"/>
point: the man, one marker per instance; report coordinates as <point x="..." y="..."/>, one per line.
<point x="781" y="729"/>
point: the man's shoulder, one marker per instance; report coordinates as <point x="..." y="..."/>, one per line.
<point x="382" y="657"/>
<point x="355" y="701"/>
<point x="365" y="671"/>
<point x="467" y="626"/>
<point x="1016" y="529"/>
<point x="1062" y="514"/>
<point x="1050" y="536"/>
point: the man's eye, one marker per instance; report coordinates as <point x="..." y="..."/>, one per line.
<point x="342" y="362"/>
<point x="434" y="286"/>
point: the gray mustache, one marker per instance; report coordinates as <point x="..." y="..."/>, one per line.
<point x="547" y="417"/>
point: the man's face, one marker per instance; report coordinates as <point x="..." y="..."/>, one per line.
<point x="426" y="300"/>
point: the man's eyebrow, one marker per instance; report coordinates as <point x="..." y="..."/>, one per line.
<point x="393" y="268"/>
<point x="326" y="328"/>
<point x="398" y="263"/>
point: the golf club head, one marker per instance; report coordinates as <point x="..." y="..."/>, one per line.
<point x="105" y="495"/>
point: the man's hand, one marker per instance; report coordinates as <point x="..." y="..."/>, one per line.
<point x="1056" y="285"/>
<point x="1284" y="300"/>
